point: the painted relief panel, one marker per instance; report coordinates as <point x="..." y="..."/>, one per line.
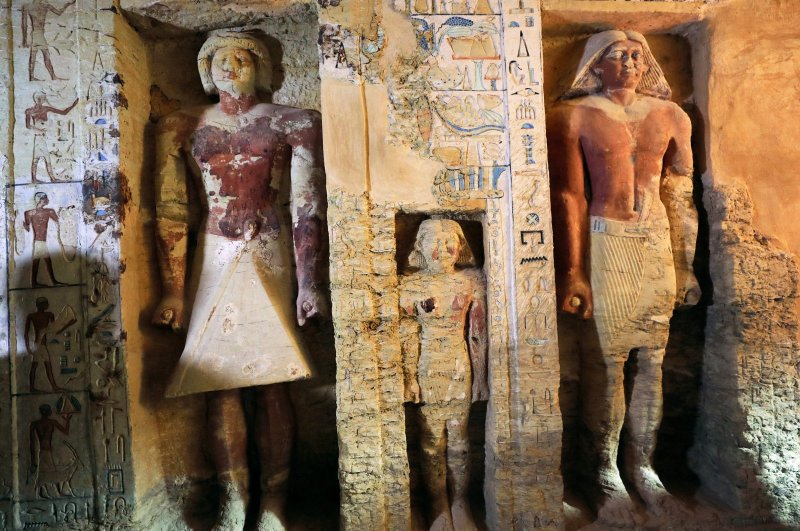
<point x="48" y="341"/>
<point x="66" y="383"/>
<point x="46" y="65"/>
<point x="46" y="229"/>
<point x="55" y="428"/>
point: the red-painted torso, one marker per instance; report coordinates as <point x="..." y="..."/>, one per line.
<point x="625" y="157"/>
<point x="241" y="174"/>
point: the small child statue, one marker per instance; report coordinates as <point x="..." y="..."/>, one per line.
<point x="444" y="361"/>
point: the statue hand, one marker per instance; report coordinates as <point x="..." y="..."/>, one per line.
<point x="169" y="313"/>
<point x="689" y="294"/>
<point x="480" y="391"/>
<point x="310" y="303"/>
<point x="576" y="296"/>
<point x="412" y="393"/>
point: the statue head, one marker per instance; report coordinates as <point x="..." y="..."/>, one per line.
<point x="235" y="62"/>
<point x="42" y="303"/>
<point x="618" y="59"/>
<point x="40" y="198"/>
<point x="440" y="246"/>
<point x="45" y="410"/>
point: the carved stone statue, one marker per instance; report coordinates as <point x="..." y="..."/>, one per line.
<point x="625" y="227"/>
<point x="444" y="361"/>
<point x="246" y="159"/>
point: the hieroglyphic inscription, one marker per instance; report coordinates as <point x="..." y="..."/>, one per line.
<point x="535" y="359"/>
<point x="63" y="199"/>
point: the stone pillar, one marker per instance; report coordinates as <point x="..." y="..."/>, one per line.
<point x="6" y="455"/>
<point x="423" y="118"/>
<point x="70" y="433"/>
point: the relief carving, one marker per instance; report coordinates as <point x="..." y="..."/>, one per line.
<point x="444" y="361"/>
<point x="34" y="16"/>
<point x="247" y="159"/>
<point x="624" y="247"/>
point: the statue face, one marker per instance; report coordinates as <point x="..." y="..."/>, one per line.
<point x="440" y="248"/>
<point x="622" y="66"/>
<point x="233" y="70"/>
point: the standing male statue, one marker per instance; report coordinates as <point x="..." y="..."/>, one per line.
<point x="625" y="227"/>
<point x="249" y="160"/>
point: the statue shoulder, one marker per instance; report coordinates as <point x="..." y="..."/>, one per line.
<point x="295" y="115"/>
<point x="566" y="116"/>
<point x="181" y="122"/>
<point x="676" y="115"/>
<point x="472" y="275"/>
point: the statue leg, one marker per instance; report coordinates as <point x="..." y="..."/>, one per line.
<point x="642" y="421"/>
<point x="228" y="448"/>
<point x="48" y="263"/>
<point x="434" y="466"/>
<point x="34" y="169"/>
<point x="458" y="469"/>
<point x="48" y="369"/>
<point x="32" y="64"/>
<point x="32" y="376"/>
<point x="48" y="64"/>
<point x="35" y="272"/>
<point x="274" y="436"/>
<point x="603" y="412"/>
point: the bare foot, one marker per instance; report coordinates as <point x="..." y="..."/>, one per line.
<point x="232" y="509"/>
<point x="616" y="511"/>
<point x="270" y="521"/>
<point x="660" y="503"/>
<point x="614" y="506"/>
<point x="273" y="515"/>
<point x="443" y="522"/>
<point x="462" y="517"/>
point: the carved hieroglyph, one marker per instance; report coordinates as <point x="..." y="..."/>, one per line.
<point x="444" y="362"/>
<point x="464" y="141"/>
<point x="614" y="261"/>
<point x="252" y="158"/>
<point x="66" y="382"/>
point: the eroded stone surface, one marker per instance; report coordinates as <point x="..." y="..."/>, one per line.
<point x="747" y="436"/>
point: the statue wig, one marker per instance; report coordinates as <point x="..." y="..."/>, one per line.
<point x="417" y="259"/>
<point x="219" y="39"/>
<point x="653" y="82"/>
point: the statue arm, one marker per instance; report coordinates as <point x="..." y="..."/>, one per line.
<point x="570" y="212"/>
<point x="172" y="215"/>
<point x="25" y="15"/>
<point x="34" y="441"/>
<point x="308" y="211"/>
<point x="62" y="111"/>
<point x="478" y="344"/>
<point x="65" y="428"/>
<point x="28" y="323"/>
<point x="676" y="194"/>
<point x="409" y="349"/>
<point x="59" y="12"/>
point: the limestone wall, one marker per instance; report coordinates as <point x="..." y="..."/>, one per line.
<point x="68" y="437"/>
<point x="415" y="125"/>
<point x="748" y="431"/>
